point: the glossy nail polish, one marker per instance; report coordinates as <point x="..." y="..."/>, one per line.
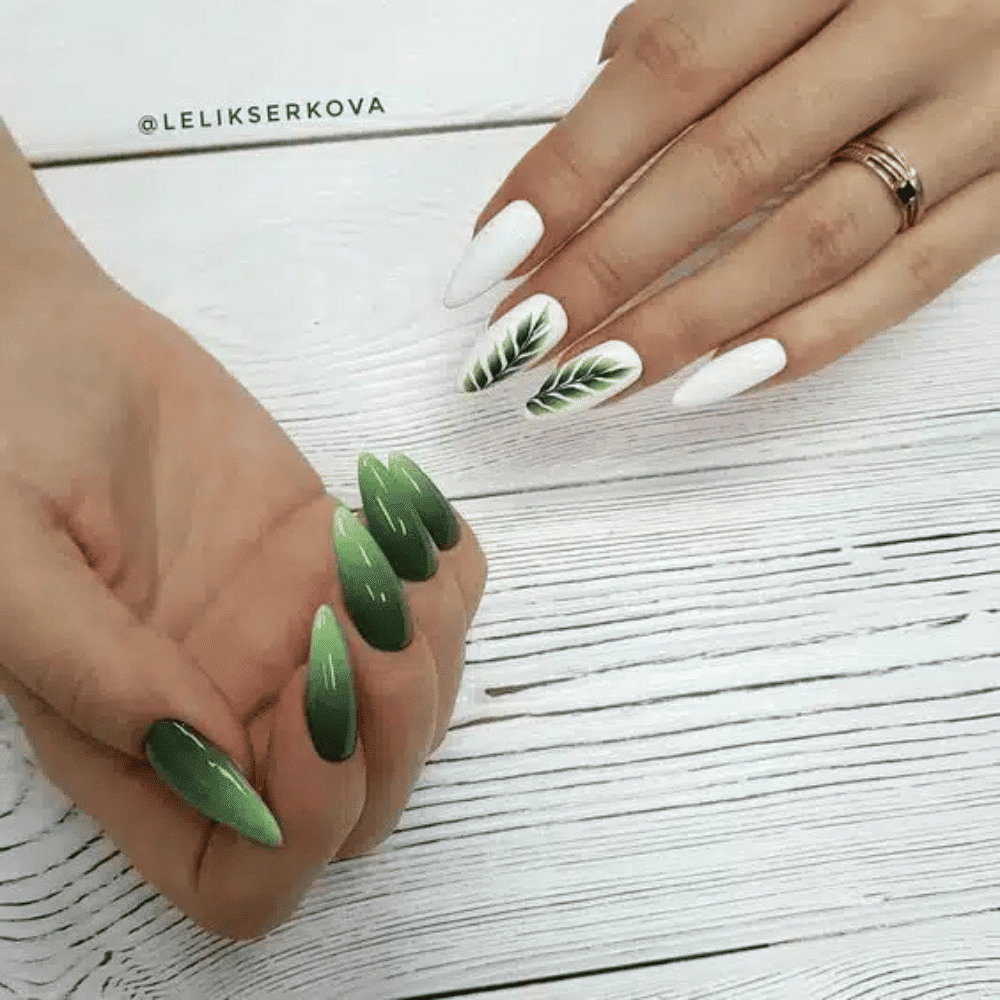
<point x="208" y="780"/>
<point x="586" y="380"/>
<point x="372" y="591"/>
<point x="514" y="341"/>
<point x="393" y="522"/>
<point x="497" y="249"/>
<point x="331" y="711"/>
<point x="731" y="373"/>
<point x="428" y="501"/>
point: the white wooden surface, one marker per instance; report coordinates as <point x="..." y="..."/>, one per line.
<point x="731" y="721"/>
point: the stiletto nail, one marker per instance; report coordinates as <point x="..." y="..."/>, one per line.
<point x="208" y="780"/>
<point x="428" y="501"/>
<point x="496" y="250"/>
<point x="393" y="522"/>
<point x="372" y="591"/>
<point x="731" y="373"/>
<point x="586" y="380"/>
<point x="330" y="702"/>
<point x="519" y="337"/>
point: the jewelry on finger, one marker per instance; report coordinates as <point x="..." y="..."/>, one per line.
<point x="892" y="168"/>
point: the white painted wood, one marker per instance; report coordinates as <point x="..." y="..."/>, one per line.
<point x="734" y="681"/>
<point x="77" y="79"/>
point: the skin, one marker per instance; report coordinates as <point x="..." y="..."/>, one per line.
<point x="750" y="99"/>
<point x="154" y="571"/>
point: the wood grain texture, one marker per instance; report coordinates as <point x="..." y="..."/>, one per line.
<point x="733" y="684"/>
<point x="77" y="79"/>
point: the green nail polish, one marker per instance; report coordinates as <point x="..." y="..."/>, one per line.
<point x="372" y="591"/>
<point x="427" y="500"/>
<point x="393" y="522"/>
<point x="208" y="780"/>
<point x="330" y="706"/>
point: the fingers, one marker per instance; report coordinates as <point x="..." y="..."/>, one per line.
<point x="67" y="639"/>
<point x="672" y="65"/>
<point x="820" y="236"/>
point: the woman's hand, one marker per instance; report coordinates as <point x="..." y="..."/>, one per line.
<point x="164" y="548"/>
<point x="721" y="106"/>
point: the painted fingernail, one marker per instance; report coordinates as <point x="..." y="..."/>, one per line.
<point x="428" y="501"/>
<point x="394" y="523"/>
<point x="499" y="247"/>
<point x="330" y="703"/>
<point x="208" y="780"/>
<point x="586" y="380"/>
<point x="732" y="373"/>
<point x="519" y="337"/>
<point x="372" y="591"/>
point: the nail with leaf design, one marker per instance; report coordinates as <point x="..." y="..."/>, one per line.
<point x="586" y="380"/>
<point x="514" y="341"/>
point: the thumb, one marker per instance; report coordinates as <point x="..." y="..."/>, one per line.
<point x="66" y="638"/>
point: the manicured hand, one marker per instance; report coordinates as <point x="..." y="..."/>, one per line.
<point x="710" y="110"/>
<point x="184" y="630"/>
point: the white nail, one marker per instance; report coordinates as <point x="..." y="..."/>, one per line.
<point x="500" y="246"/>
<point x="514" y="341"/>
<point x="732" y="373"/>
<point x="586" y="380"/>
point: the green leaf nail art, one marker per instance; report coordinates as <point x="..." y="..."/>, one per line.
<point x="587" y="380"/>
<point x="528" y="340"/>
<point x="208" y="780"/>
<point x="330" y="702"/>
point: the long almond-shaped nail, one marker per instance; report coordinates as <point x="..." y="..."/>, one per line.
<point x="518" y="338"/>
<point x="393" y="521"/>
<point x="731" y="373"/>
<point x="372" y="591"/>
<point x="428" y="501"/>
<point x="208" y="780"/>
<point x="330" y="703"/>
<point x="496" y="250"/>
<point x="586" y="380"/>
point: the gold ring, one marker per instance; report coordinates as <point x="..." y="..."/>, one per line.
<point x="890" y="166"/>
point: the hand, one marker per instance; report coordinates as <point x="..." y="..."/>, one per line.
<point x="164" y="548"/>
<point x="711" y="109"/>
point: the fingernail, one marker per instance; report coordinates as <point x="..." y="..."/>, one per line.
<point x="372" y="591"/>
<point x="519" y="337"/>
<point x="732" y="373"/>
<point x="330" y="703"/>
<point x="393" y="522"/>
<point x="499" y="247"/>
<point x="428" y="501"/>
<point x="586" y="380"/>
<point x="208" y="780"/>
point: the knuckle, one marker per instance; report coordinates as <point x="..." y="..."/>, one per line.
<point x="738" y="161"/>
<point x="667" y="50"/>
<point x="830" y="240"/>
<point x="607" y="275"/>
<point x="926" y="271"/>
<point x="567" y="171"/>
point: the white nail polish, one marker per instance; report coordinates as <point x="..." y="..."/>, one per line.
<point x="586" y="380"/>
<point x="513" y="342"/>
<point x="731" y="373"/>
<point x="497" y="249"/>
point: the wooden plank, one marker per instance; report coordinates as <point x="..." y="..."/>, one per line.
<point x="316" y="274"/>
<point x="85" y="80"/>
<point x="747" y="709"/>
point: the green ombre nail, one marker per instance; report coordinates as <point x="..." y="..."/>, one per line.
<point x="208" y="780"/>
<point x="427" y="500"/>
<point x="372" y="591"/>
<point x="330" y="704"/>
<point x="393" y="522"/>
